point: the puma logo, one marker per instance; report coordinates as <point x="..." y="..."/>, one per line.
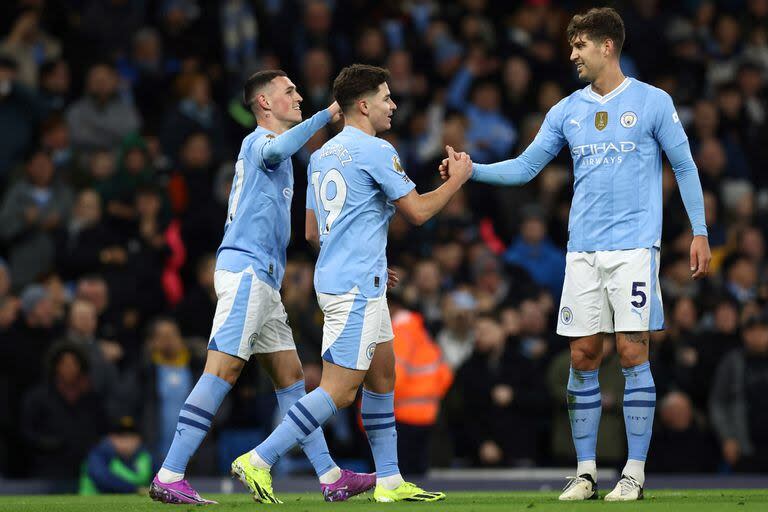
<point x="573" y="121"/>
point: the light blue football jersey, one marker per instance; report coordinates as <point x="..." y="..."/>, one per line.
<point x="353" y="180"/>
<point x="615" y="142"/>
<point x="258" y="226"/>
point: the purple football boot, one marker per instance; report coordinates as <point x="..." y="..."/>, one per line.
<point x="350" y="484"/>
<point x="177" y="493"/>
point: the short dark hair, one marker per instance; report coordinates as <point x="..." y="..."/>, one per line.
<point x="257" y="81"/>
<point x="598" y="24"/>
<point x="355" y="81"/>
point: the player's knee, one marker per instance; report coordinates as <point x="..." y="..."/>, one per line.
<point x="629" y="358"/>
<point x="344" y="398"/>
<point x="585" y="358"/>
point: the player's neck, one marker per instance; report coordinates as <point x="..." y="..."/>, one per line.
<point x="274" y="125"/>
<point x="609" y="80"/>
<point x="361" y="123"/>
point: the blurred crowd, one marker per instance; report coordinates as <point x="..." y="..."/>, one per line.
<point x="120" y="120"/>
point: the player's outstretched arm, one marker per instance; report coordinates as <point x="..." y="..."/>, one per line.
<point x="288" y="143"/>
<point x="516" y="171"/>
<point x="419" y="208"/>
<point x="687" y="177"/>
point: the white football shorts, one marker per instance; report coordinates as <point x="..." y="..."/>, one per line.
<point x="611" y="291"/>
<point x="250" y="317"/>
<point x="353" y="326"/>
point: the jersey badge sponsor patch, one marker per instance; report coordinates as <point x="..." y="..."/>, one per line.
<point x="396" y="165"/>
<point x="601" y="120"/>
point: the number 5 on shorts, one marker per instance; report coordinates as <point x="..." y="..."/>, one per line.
<point x="637" y="292"/>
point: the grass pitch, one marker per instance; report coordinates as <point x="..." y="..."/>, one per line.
<point x="667" y="500"/>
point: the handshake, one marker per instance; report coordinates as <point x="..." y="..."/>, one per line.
<point x="457" y="166"/>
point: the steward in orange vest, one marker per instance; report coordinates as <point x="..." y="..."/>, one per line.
<point x="422" y="380"/>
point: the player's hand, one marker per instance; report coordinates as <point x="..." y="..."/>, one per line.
<point x="392" y="278"/>
<point x="459" y="165"/>
<point x="335" y="111"/>
<point x="700" y="256"/>
<point x="443" y="168"/>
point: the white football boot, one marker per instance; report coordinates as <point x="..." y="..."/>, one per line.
<point x="627" y="489"/>
<point x="578" y="488"/>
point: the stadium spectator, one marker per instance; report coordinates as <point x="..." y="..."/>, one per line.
<point x="422" y="380"/>
<point x="681" y="443"/>
<point x="195" y="312"/>
<point x="101" y="118"/>
<point x="490" y="136"/>
<point x="195" y="112"/>
<point x="30" y="46"/>
<point x="84" y="244"/>
<point x="166" y="376"/>
<point x="457" y="337"/>
<point x="738" y="401"/>
<point x="119" y="464"/>
<point x="19" y="117"/>
<point x="104" y="375"/>
<point x="32" y="210"/>
<point x="535" y="252"/>
<point x="62" y="417"/>
<point x="55" y="86"/>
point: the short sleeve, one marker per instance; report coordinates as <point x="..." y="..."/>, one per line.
<point x="383" y="165"/>
<point x="550" y="137"/>
<point x="667" y="129"/>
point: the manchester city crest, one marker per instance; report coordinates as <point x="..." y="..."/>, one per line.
<point x="370" y="350"/>
<point x="601" y="120"/>
<point x="566" y="315"/>
<point x="628" y="119"/>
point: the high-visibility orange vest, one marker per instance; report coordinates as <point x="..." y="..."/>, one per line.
<point x="422" y="378"/>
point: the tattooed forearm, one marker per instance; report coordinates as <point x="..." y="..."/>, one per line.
<point x="637" y="337"/>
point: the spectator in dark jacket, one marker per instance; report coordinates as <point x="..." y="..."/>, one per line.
<point x="19" y="117"/>
<point x="62" y="417"/>
<point x="31" y="212"/>
<point x="739" y="404"/>
<point x="681" y="443"/>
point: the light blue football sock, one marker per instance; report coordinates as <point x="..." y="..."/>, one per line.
<point x="639" y="407"/>
<point x="314" y="445"/>
<point x="584" y="408"/>
<point x="301" y="419"/>
<point x="378" y="411"/>
<point x="194" y="420"/>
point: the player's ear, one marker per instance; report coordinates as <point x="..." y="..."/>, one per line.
<point x="262" y="101"/>
<point x="362" y="104"/>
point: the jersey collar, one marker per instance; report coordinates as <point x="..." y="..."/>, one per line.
<point x="608" y="97"/>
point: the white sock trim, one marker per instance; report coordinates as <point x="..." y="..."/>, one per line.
<point x="167" y="476"/>
<point x="257" y="461"/>
<point x="330" y="476"/>
<point x="635" y="469"/>
<point x="587" y="466"/>
<point x="390" y="482"/>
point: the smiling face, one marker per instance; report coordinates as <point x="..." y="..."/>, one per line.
<point x="380" y="108"/>
<point x="588" y="56"/>
<point x="282" y="99"/>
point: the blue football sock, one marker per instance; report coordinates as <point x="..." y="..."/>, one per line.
<point x="378" y="411"/>
<point x="194" y="420"/>
<point x="314" y="444"/>
<point x="584" y="408"/>
<point x="301" y="419"/>
<point x="639" y="406"/>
